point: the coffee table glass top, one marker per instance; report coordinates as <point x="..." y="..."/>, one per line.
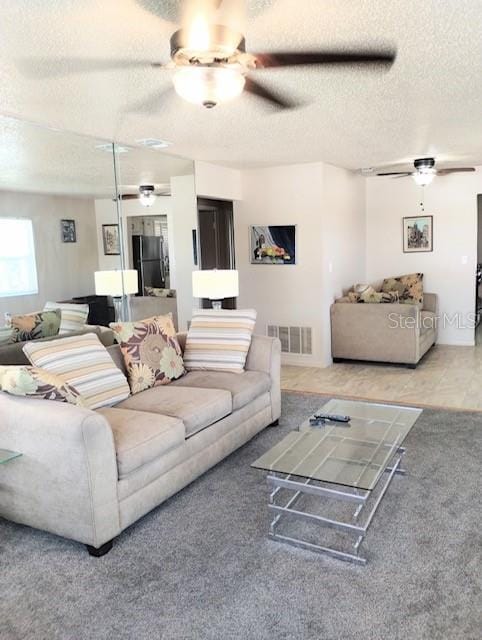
<point x="6" y="455"/>
<point x="354" y="455"/>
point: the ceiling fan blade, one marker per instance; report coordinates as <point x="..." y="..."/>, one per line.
<point x="294" y="58"/>
<point x="446" y="172"/>
<point x="153" y="102"/>
<point x="129" y="196"/>
<point x="55" y="67"/>
<point x="261" y="91"/>
<point x="401" y="174"/>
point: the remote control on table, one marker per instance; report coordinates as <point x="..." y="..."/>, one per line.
<point x="332" y="417"/>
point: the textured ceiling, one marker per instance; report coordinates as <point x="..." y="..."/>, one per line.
<point x="39" y="160"/>
<point x="430" y="102"/>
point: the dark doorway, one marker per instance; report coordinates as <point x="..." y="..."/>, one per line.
<point x="216" y="239"/>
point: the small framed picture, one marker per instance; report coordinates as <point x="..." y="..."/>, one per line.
<point x="274" y="244"/>
<point x="417" y="234"/>
<point x="67" y="231"/>
<point x="110" y="236"/>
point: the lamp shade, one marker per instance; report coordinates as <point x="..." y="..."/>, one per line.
<point x="215" y="284"/>
<point x="116" y="283"/>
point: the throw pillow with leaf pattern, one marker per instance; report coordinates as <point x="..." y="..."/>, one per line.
<point x="409" y="288"/>
<point x="151" y="351"/>
<point x="32" y="326"/>
<point x="34" y="382"/>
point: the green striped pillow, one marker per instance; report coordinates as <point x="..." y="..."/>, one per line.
<point x="85" y="364"/>
<point x="73" y="318"/>
<point x="219" y="340"/>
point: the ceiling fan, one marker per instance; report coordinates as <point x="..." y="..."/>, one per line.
<point x="425" y="171"/>
<point x="147" y="194"/>
<point x="211" y="64"/>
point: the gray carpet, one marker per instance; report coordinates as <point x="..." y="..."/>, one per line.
<point x="200" y="566"/>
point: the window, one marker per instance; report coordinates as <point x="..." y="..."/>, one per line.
<point x="18" y="271"/>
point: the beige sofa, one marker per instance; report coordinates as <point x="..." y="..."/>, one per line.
<point x="87" y="475"/>
<point x="398" y="333"/>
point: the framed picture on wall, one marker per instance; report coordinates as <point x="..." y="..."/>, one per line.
<point x="274" y="244"/>
<point x="110" y="236"/>
<point x="67" y="231"/>
<point x="417" y="234"/>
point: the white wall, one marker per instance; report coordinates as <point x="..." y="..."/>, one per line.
<point x="343" y="239"/>
<point x="64" y="270"/>
<point x="213" y="181"/>
<point x="327" y="205"/>
<point x="449" y="270"/>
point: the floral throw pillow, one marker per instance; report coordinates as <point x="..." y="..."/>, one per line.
<point x="36" y="325"/>
<point x="409" y="288"/>
<point x="151" y="351"/>
<point x="34" y="382"/>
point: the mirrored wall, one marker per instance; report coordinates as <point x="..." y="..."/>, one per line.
<point x="88" y="222"/>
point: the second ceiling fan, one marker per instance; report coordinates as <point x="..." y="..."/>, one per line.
<point x="425" y="171"/>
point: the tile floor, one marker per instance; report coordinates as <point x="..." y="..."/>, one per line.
<point x="449" y="377"/>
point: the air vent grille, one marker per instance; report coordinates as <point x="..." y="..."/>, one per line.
<point x="297" y="340"/>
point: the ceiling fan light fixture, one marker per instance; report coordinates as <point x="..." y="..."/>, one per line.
<point x="424" y="177"/>
<point x="208" y="85"/>
<point x="146" y="195"/>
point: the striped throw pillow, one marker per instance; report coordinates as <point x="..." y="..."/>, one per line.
<point x="73" y="316"/>
<point x="219" y="340"/>
<point x="84" y="363"/>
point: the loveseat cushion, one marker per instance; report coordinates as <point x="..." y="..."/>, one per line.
<point x="141" y="437"/>
<point x="197" y="408"/>
<point x="244" y="387"/>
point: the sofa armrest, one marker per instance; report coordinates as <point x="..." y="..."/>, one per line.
<point x="265" y="355"/>
<point x="65" y="481"/>
<point x="430" y="302"/>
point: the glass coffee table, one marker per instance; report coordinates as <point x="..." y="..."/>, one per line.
<point x="6" y="455"/>
<point x="352" y="464"/>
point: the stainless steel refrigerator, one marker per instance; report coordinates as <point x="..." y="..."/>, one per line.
<point x="148" y="260"/>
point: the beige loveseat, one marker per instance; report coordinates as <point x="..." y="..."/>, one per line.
<point x="87" y="475"/>
<point x="398" y="333"/>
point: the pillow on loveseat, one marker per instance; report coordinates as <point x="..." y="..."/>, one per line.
<point x="73" y="317"/>
<point x="219" y="340"/>
<point x="84" y="363"/>
<point x="32" y="382"/>
<point x="151" y="351"/>
<point x="409" y="288"/>
<point x="32" y="326"/>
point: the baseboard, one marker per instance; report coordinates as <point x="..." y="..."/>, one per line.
<point x="456" y="343"/>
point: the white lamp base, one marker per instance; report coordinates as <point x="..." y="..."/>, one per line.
<point x="217" y="304"/>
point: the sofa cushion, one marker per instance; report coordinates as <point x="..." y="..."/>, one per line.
<point x="219" y="340"/>
<point x="84" y="363"/>
<point x="244" y="387"/>
<point x="151" y="351"/>
<point x="73" y="316"/>
<point x="197" y="408"/>
<point x="141" y="437"/>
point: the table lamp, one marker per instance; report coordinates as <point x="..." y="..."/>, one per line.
<point x="118" y="284"/>
<point x="215" y="284"/>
